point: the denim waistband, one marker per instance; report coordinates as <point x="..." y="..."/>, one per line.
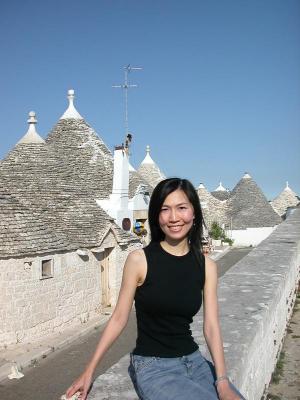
<point x="188" y="357"/>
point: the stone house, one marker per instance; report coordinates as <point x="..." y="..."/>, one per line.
<point x="61" y="254"/>
<point x="244" y="213"/>
<point x="250" y="218"/>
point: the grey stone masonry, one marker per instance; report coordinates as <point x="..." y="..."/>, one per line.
<point x="57" y="196"/>
<point x="214" y="210"/>
<point x="221" y="195"/>
<point x="151" y="173"/>
<point x="86" y="161"/>
<point x="287" y="198"/>
<point x="135" y="180"/>
<point x="256" y="298"/>
<point x="23" y="231"/>
<point x="249" y="208"/>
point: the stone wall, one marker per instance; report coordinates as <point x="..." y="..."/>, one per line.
<point x="33" y="307"/>
<point x="256" y="298"/>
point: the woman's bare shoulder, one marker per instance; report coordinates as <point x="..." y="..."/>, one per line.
<point x="136" y="256"/>
<point x="209" y="262"/>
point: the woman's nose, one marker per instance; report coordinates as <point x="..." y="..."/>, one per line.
<point x="173" y="215"/>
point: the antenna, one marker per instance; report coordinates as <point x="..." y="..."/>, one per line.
<point x="127" y="86"/>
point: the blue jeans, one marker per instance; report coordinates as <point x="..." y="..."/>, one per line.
<point x="188" y="377"/>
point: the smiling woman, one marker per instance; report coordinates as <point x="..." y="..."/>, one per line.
<point x="167" y="280"/>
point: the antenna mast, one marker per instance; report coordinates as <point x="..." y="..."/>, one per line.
<point x="127" y="86"/>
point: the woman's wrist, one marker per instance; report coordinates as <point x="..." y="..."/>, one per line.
<point x="221" y="380"/>
<point x="90" y="369"/>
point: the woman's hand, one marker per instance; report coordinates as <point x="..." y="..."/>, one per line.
<point x="81" y="385"/>
<point x="225" y="392"/>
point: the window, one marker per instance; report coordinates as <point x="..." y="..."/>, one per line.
<point x="47" y="269"/>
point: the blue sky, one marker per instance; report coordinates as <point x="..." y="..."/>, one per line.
<point x="219" y="93"/>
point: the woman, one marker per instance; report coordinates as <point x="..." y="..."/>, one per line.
<point x="166" y="279"/>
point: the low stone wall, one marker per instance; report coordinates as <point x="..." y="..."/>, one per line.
<point x="256" y="298"/>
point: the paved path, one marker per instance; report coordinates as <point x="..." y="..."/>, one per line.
<point x="231" y="258"/>
<point x="51" y="375"/>
<point x="286" y="385"/>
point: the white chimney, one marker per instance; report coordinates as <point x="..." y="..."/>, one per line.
<point x="119" y="196"/>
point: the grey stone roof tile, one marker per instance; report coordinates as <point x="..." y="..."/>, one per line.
<point x="287" y="198"/>
<point x="85" y="157"/>
<point x="221" y="194"/>
<point x="249" y="208"/>
<point x="51" y="181"/>
<point x="135" y="180"/>
<point x="24" y="231"/>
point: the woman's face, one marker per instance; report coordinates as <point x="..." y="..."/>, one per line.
<point x="176" y="215"/>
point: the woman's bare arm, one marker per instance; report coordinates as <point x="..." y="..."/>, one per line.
<point x="132" y="274"/>
<point x="212" y="330"/>
<point x="211" y="326"/>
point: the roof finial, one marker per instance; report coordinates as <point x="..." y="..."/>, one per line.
<point x="247" y="175"/>
<point x="32" y="120"/>
<point x="71" y="95"/>
<point x="147" y="159"/>
<point x="31" y="135"/>
<point x="71" y="111"/>
<point x="287" y="186"/>
<point x="221" y="187"/>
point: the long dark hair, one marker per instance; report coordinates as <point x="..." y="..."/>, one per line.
<point x="161" y="191"/>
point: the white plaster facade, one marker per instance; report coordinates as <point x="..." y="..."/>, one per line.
<point x="249" y="236"/>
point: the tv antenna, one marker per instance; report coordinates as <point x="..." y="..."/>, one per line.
<point x="126" y="85"/>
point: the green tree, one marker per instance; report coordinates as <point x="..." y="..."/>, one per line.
<point x="216" y="232"/>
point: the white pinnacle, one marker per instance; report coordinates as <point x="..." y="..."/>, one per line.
<point x="287" y="186"/>
<point x="247" y="176"/>
<point x="71" y="111"/>
<point x="31" y="135"/>
<point x="148" y="159"/>
<point x="201" y="186"/>
<point x="221" y="188"/>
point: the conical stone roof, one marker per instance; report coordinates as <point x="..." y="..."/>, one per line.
<point x="213" y="209"/>
<point x="40" y="177"/>
<point x="135" y="180"/>
<point x="287" y="198"/>
<point x="24" y="231"/>
<point x="221" y="193"/>
<point x="149" y="171"/>
<point x="86" y="161"/>
<point x="249" y="208"/>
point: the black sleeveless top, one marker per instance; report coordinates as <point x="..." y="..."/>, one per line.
<point x="167" y="301"/>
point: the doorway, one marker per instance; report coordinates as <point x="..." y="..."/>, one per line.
<point x="105" y="283"/>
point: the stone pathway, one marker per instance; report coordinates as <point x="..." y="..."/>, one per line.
<point x="285" y="384"/>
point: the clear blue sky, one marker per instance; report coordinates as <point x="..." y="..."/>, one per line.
<point x="219" y="93"/>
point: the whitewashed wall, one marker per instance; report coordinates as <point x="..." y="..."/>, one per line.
<point x="249" y="236"/>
